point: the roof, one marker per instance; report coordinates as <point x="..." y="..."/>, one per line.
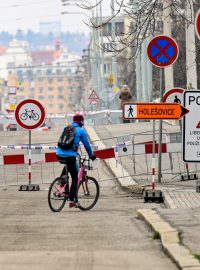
<point x="40" y="57"/>
<point x="47" y="57"/>
<point x="2" y="50"/>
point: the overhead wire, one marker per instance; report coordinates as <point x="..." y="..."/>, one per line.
<point x="27" y="4"/>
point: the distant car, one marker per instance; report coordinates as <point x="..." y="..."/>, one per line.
<point x="11" y="127"/>
<point x="44" y="127"/>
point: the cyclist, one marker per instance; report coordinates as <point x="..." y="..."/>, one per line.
<point x="69" y="156"/>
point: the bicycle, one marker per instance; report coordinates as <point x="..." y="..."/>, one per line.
<point x="30" y="114"/>
<point x="87" y="192"/>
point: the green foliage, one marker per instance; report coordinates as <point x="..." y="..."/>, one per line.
<point x="197" y="257"/>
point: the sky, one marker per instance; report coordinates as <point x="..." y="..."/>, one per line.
<point x="27" y="14"/>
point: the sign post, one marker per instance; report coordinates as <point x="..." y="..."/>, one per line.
<point x="197" y="24"/>
<point x="29" y="115"/>
<point x="162" y="52"/>
<point x="191" y="127"/>
<point x="176" y="95"/>
<point x="132" y="111"/>
<point x="94" y="98"/>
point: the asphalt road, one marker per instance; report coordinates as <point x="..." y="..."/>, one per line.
<point x="110" y="236"/>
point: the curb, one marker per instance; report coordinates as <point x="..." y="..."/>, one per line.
<point x="123" y="177"/>
<point x="121" y="174"/>
<point x="170" y="240"/>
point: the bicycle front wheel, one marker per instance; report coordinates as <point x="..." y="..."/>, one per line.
<point x="35" y="116"/>
<point x="88" y="193"/>
<point x="56" y="197"/>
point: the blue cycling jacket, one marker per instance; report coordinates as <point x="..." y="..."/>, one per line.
<point x="80" y="135"/>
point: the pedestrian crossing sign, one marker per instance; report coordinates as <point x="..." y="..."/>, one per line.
<point x="130" y="111"/>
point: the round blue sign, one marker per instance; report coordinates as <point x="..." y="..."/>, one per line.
<point x="162" y="51"/>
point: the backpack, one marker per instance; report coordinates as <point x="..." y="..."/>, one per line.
<point x="66" y="140"/>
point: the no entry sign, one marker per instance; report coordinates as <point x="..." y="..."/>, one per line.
<point x="162" y="51"/>
<point x="197" y="24"/>
<point x="29" y="114"/>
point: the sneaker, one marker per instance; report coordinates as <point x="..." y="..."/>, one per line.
<point x="77" y="204"/>
<point x="71" y="204"/>
<point x="74" y="204"/>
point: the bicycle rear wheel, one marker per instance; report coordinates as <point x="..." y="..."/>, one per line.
<point x="56" y="197"/>
<point x="88" y="193"/>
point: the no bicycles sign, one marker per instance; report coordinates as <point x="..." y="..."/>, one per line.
<point x="29" y="114"/>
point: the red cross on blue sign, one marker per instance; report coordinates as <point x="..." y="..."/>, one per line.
<point x="162" y="51"/>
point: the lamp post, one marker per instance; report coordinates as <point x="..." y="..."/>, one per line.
<point x="96" y="61"/>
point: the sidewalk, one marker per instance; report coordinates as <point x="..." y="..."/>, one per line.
<point x="182" y="215"/>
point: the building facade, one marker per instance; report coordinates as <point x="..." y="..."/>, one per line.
<point x="52" y="77"/>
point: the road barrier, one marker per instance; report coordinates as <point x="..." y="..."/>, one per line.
<point x="134" y="155"/>
<point x="92" y="118"/>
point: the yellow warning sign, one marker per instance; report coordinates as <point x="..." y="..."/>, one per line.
<point x="12" y="107"/>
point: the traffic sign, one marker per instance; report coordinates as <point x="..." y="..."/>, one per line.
<point x="174" y="95"/>
<point x="153" y="111"/>
<point x="191" y="131"/>
<point x="29" y="114"/>
<point x="162" y="51"/>
<point x="197" y="24"/>
<point x="111" y="79"/>
<point x="94" y="95"/>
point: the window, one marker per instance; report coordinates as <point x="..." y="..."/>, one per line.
<point x="50" y="88"/>
<point x="51" y="105"/>
<point x="68" y="71"/>
<point x="107" y="68"/>
<point x="39" y="72"/>
<point x="60" y="79"/>
<point x="40" y="80"/>
<point x="40" y="90"/>
<point x="61" y="96"/>
<point x="61" y="106"/>
<point x="49" y="71"/>
<point x="41" y="97"/>
<point x="60" y="89"/>
<point x="21" y="89"/>
<point x="108" y="46"/>
<point x="58" y="71"/>
<point x="107" y="29"/>
<point x="20" y="98"/>
<point x="50" y="80"/>
<point x="51" y="98"/>
<point x="20" y="74"/>
<point x="119" y="28"/>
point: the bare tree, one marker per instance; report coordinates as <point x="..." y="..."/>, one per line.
<point x="147" y="17"/>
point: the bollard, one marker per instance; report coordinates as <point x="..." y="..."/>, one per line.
<point x="198" y="186"/>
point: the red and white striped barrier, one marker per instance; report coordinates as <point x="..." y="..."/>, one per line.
<point x="63" y="115"/>
<point x="38" y="147"/>
<point x="102" y="154"/>
<point x="148" y="149"/>
<point x="24" y="159"/>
